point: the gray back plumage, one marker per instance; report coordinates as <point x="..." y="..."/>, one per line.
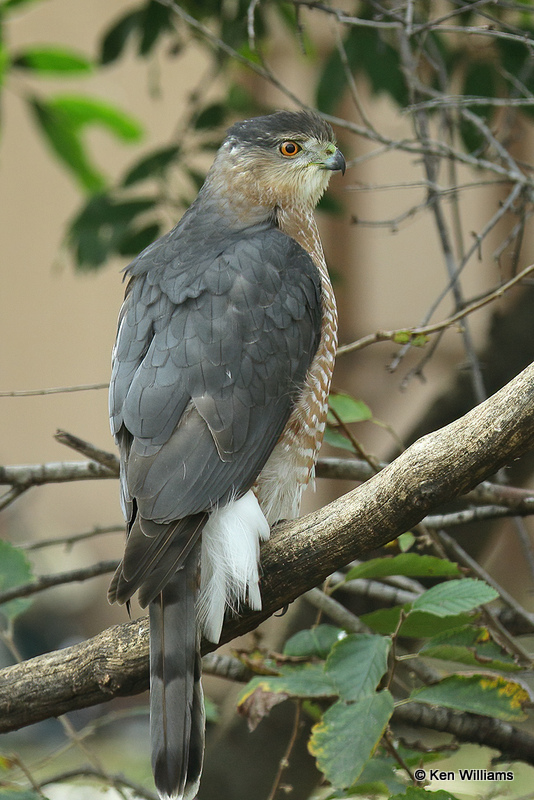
<point x="211" y="351"/>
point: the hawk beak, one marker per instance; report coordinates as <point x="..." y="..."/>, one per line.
<point x="336" y="162"/>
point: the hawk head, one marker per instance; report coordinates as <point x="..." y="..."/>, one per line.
<point x="286" y="157"/>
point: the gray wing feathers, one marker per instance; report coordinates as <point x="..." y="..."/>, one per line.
<point x="206" y="386"/>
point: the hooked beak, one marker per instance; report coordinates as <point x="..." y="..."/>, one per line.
<point x="336" y="162"/>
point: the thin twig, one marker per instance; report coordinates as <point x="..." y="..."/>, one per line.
<point x="55" y="390"/>
<point x="284" y="761"/>
<point x="427" y="330"/>
<point x="464" y="558"/>
<point x="47" y="581"/>
<point x="103" y="457"/>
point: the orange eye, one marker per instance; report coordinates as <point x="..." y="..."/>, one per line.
<point x="290" y="149"/>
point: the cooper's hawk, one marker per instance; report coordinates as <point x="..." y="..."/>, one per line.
<point x="221" y="372"/>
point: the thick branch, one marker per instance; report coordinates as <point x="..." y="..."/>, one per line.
<point x="299" y="556"/>
<point x="517" y="744"/>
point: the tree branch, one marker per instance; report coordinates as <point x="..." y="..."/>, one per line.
<point x="299" y="555"/>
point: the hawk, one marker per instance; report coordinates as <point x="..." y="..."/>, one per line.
<point x="219" y="390"/>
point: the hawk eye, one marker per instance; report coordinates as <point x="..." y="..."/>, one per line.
<point x="290" y="149"/>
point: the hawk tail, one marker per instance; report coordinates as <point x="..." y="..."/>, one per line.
<point x="176" y="701"/>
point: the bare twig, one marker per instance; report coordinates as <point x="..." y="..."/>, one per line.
<point x="103" y="457"/>
<point x="427" y="330"/>
<point x="464" y="558"/>
<point x="47" y="581"/>
<point x="55" y="390"/>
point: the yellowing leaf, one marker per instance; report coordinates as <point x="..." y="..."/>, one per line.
<point x="488" y="694"/>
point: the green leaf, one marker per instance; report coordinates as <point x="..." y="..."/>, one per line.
<point x="23" y="794"/>
<point x="151" y="166"/>
<point x="417" y="624"/>
<point x="302" y="680"/>
<point x="368" y="54"/>
<point x="155" y="20"/>
<point x="404" y="564"/>
<point x="454" y="597"/>
<point x="379" y="777"/>
<point x="15" y="570"/>
<point x="347" y="408"/>
<point x="9" y="4"/>
<point x="5" y="63"/>
<point x="134" y="241"/>
<point x="329" y="204"/>
<point x="63" y="138"/>
<point x="317" y="641"/>
<point x="417" y="793"/>
<point x="336" y="439"/>
<point x="211" y="117"/>
<point x="471" y="646"/>
<point x="402" y="337"/>
<point x="240" y="100"/>
<point x="104" y="227"/>
<point x="342" y="745"/>
<point x="490" y="695"/>
<point x="480" y="81"/>
<point x="53" y="60"/>
<point x="116" y="38"/>
<point x="81" y="110"/>
<point x="405" y="541"/>
<point x="357" y="663"/>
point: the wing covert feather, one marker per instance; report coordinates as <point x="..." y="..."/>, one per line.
<point x="206" y="385"/>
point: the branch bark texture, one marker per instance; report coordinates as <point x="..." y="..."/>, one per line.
<point x="299" y="556"/>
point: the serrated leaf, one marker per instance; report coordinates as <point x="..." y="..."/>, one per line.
<point x="454" y="597"/>
<point x="471" y="646"/>
<point x="317" y="641"/>
<point x="411" y="564"/>
<point x="302" y="680"/>
<point x="151" y="166"/>
<point x="379" y="776"/>
<point x="357" y="663"/>
<point x="82" y="110"/>
<point x="342" y="745"/>
<point x="348" y="408"/>
<point x="417" y="624"/>
<point x="265" y="691"/>
<point x="53" y="60"/>
<point x="490" y="695"/>
<point x="15" y="569"/>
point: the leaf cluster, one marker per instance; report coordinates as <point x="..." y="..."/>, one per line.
<point x="343" y="679"/>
